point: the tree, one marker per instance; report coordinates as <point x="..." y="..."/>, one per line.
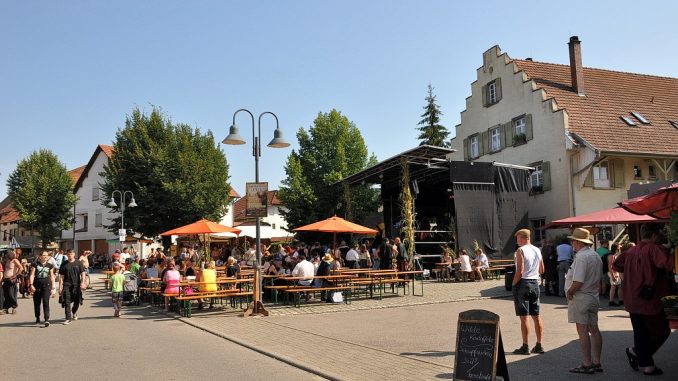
<point x="42" y="192"/>
<point x="432" y="132"/>
<point x="331" y="150"/>
<point x="177" y="174"/>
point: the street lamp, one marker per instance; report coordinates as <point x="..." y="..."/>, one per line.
<point x="278" y="141"/>
<point x="131" y="204"/>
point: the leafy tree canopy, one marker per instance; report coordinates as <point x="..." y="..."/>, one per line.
<point x="42" y="192"/>
<point x="432" y="132"/>
<point x="177" y="174"/>
<point x="331" y="150"/>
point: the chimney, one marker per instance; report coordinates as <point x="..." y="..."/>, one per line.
<point x="576" y="69"/>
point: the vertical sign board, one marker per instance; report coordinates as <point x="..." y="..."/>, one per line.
<point x="257" y="200"/>
<point x="478" y="342"/>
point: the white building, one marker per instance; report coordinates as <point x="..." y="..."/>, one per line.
<point x="273" y="226"/>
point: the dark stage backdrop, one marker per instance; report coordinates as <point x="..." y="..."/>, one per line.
<point x="490" y="205"/>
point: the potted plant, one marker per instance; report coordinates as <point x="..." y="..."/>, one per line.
<point x="519" y="139"/>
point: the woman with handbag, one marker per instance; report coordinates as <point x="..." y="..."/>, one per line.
<point x="10" y="281"/>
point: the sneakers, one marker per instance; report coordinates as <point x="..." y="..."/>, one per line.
<point x="537" y="349"/>
<point x="67" y="322"/>
<point x="523" y="350"/>
<point x="46" y="324"/>
<point x="75" y="316"/>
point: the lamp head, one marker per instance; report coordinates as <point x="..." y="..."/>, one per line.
<point x="278" y="140"/>
<point x="132" y="203"/>
<point x="233" y="137"/>
<point x="112" y="204"/>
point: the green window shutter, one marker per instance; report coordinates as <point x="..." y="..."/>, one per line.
<point x="588" y="182"/>
<point x="618" y="165"/>
<point x="546" y="174"/>
<point x="498" y="86"/>
<point x="484" y="143"/>
<point x="508" y="134"/>
<point x="484" y="95"/>
<point x="528" y="127"/>
<point x="467" y="150"/>
<point x="502" y="137"/>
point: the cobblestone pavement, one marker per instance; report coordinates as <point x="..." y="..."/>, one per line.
<point x="412" y="337"/>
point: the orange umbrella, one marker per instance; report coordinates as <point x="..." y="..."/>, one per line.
<point x="336" y="225"/>
<point x="203" y="226"/>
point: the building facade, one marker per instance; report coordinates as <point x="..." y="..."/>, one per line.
<point x="589" y="133"/>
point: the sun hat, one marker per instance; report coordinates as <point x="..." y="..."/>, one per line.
<point x="581" y="235"/>
<point x="328" y="257"/>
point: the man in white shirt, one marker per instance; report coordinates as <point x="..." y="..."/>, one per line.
<point x="581" y="283"/>
<point x="529" y="267"/>
<point x="304" y="269"/>
<point x="352" y="257"/>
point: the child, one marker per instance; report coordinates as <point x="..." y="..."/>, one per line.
<point x="117" y="282"/>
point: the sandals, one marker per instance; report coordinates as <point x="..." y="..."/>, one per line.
<point x="597" y="367"/>
<point x="655" y="372"/>
<point x="633" y="359"/>
<point x="583" y="369"/>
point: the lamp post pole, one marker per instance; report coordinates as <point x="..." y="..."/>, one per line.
<point x="131" y="204"/>
<point x="234" y="138"/>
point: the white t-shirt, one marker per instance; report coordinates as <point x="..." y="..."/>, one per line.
<point x="482" y="260"/>
<point x="531" y="261"/>
<point x="352" y="255"/>
<point x="465" y="263"/>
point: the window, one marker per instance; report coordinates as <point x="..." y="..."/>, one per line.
<point x="95" y="193"/>
<point x="98" y="220"/>
<point x="474" y="146"/>
<point x="628" y="120"/>
<point x="537" y="177"/>
<point x="640" y="117"/>
<point x="601" y="175"/>
<point x="492" y="93"/>
<point x="637" y="172"/>
<point x="651" y="172"/>
<point x="519" y="126"/>
<point x="538" y="229"/>
<point x="674" y="123"/>
<point x="495" y="141"/>
<point x="273" y="226"/>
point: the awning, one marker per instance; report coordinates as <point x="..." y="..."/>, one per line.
<point x="611" y="216"/>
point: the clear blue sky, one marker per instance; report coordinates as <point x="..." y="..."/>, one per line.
<point x="72" y="70"/>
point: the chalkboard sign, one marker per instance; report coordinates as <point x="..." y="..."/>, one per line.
<point x="478" y="344"/>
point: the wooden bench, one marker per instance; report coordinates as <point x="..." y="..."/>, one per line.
<point x="297" y="291"/>
<point x="221" y="294"/>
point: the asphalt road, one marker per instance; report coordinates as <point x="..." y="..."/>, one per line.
<point x="144" y="344"/>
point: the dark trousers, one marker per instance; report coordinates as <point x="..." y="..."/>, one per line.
<point x="649" y="333"/>
<point x="71" y="294"/>
<point x="9" y="290"/>
<point x="41" y="296"/>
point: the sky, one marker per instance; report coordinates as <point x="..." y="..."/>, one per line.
<point x="73" y="70"/>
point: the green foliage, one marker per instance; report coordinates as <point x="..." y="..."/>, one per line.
<point x="432" y="132"/>
<point x="407" y="208"/>
<point x="177" y="174"/>
<point x="671" y="229"/>
<point x="42" y="192"/>
<point x="329" y="151"/>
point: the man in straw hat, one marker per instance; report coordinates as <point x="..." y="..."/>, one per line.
<point x="647" y="266"/>
<point x="582" y="284"/>
<point x="529" y="266"/>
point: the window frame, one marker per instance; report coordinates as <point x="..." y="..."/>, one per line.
<point x="495" y="133"/>
<point x="98" y="220"/>
<point x="492" y="97"/>
<point x="598" y="183"/>
<point x="96" y="193"/>
<point x="537" y="227"/>
<point x="471" y="140"/>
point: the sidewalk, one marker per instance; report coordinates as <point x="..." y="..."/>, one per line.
<point x="413" y="338"/>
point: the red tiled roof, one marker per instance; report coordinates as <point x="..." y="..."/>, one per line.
<point x="233" y="194"/>
<point x="240" y="205"/>
<point x="108" y="150"/>
<point x="609" y="95"/>
<point x="8" y="213"/>
<point x="76" y="173"/>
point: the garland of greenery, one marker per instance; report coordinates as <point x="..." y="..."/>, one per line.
<point x="407" y="211"/>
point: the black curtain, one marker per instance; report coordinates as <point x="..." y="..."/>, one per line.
<point x="513" y="187"/>
<point x="476" y="218"/>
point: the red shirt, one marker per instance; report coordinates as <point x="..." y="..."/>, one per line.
<point x="115" y="257"/>
<point x="645" y="264"/>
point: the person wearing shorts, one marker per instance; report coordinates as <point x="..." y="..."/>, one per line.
<point x="582" y="283"/>
<point x="529" y="267"/>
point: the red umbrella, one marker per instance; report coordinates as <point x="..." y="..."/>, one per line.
<point x="602" y="217"/>
<point x="659" y="204"/>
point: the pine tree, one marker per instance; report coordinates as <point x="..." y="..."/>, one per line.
<point x="432" y="132"/>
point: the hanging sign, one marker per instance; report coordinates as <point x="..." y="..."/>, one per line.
<point x="257" y="200"/>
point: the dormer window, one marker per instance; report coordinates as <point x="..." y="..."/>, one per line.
<point x="628" y="120"/>
<point x="674" y="123"/>
<point x="640" y="117"/>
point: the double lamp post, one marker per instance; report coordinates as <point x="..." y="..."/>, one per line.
<point x="234" y="138"/>
<point x="112" y="204"/>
